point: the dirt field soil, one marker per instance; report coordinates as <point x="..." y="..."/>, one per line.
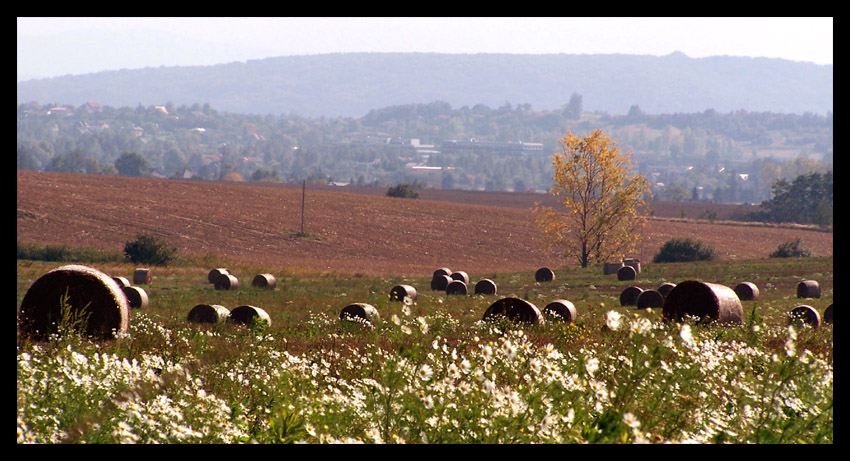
<point x="351" y="233"/>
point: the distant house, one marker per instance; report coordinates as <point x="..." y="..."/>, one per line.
<point x="92" y="106"/>
<point x="161" y="109"/>
<point x="185" y="174"/>
<point x="59" y="110"/>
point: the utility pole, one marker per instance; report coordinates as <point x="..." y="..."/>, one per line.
<point x="303" y="194"/>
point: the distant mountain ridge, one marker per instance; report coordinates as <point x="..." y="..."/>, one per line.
<point x="352" y="84"/>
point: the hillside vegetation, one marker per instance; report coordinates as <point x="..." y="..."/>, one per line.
<point x="352" y="84"/>
<point x="706" y="156"/>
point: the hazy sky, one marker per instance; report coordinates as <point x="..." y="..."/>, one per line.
<point x="207" y="41"/>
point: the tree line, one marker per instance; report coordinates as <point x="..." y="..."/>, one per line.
<point x="704" y="156"/>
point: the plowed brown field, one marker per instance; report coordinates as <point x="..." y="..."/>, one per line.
<point x="356" y="233"/>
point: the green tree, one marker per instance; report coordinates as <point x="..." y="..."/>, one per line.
<point x="684" y="250"/>
<point x="808" y="199"/>
<point x="132" y="164"/>
<point x="602" y="200"/>
<point x="675" y="194"/>
<point x="150" y="249"/>
<point x="402" y="190"/>
<point x="573" y="109"/>
<point x="791" y="249"/>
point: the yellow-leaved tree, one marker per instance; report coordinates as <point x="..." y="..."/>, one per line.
<point x="603" y="202"/>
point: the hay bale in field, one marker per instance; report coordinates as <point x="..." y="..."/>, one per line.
<point x="805" y="314"/>
<point x="611" y="268"/>
<point x="515" y="309"/>
<point x="629" y="296"/>
<point x="264" y="281"/>
<point x="649" y="298"/>
<point x="633" y="263"/>
<point x="561" y="310"/>
<point x="544" y="274"/>
<point x="456" y="287"/>
<point x="808" y="289"/>
<point x="747" y="291"/>
<point x="92" y="297"/>
<point x="443" y="271"/>
<point x="226" y="282"/>
<point x="137" y="298"/>
<point x="360" y="311"/>
<point x="245" y="315"/>
<point x="827" y="314"/>
<point x="665" y="288"/>
<point x="208" y="313"/>
<point x="626" y="273"/>
<point x="142" y="277"/>
<point x="699" y="299"/>
<point x="460" y="275"/>
<point x="485" y="287"/>
<point x="440" y="282"/>
<point x="122" y="281"/>
<point x="399" y="292"/>
<point x="216" y="273"/>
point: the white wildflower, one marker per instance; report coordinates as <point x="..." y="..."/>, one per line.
<point x="613" y="319"/>
<point x="631" y="421"/>
<point x="640" y="326"/>
<point x="425" y="372"/>
<point x="686" y="335"/>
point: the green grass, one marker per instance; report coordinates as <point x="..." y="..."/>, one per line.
<point x="432" y="371"/>
<point x="64" y="253"/>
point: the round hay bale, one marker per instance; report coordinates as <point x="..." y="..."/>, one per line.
<point x="360" y="310"/>
<point x="244" y="315"/>
<point x="399" y="292"/>
<point x="485" y="287"/>
<point x="649" y="298"/>
<point x="699" y="299"/>
<point x="544" y="274"/>
<point x="808" y="289"/>
<point x="142" y="277"/>
<point x="633" y="263"/>
<point x="611" y="268"/>
<point x="456" y="287"/>
<point x="122" y="281"/>
<point x="805" y="314"/>
<point x="208" y="313"/>
<point x="665" y="288"/>
<point x="460" y="275"/>
<point x="443" y="271"/>
<point x="264" y="281"/>
<point x="561" y="310"/>
<point x="516" y="310"/>
<point x="626" y="273"/>
<point x="629" y="296"/>
<point x="92" y="297"/>
<point x="216" y="273"/>
<point x="137" y="298"/>
<point x="440" y="282"/>
<point x="226" y="282"/>
<point x="747" y="291"/>
<point x="827" y="314"/>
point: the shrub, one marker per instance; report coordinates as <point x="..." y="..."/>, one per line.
<point x="683" y="250"/>
<point x="150" y="249"/>
<point x="402" y="190"/>
<point x="791" y="249"/>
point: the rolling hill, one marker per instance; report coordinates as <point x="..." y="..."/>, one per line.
<point x="352" y="84"/>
